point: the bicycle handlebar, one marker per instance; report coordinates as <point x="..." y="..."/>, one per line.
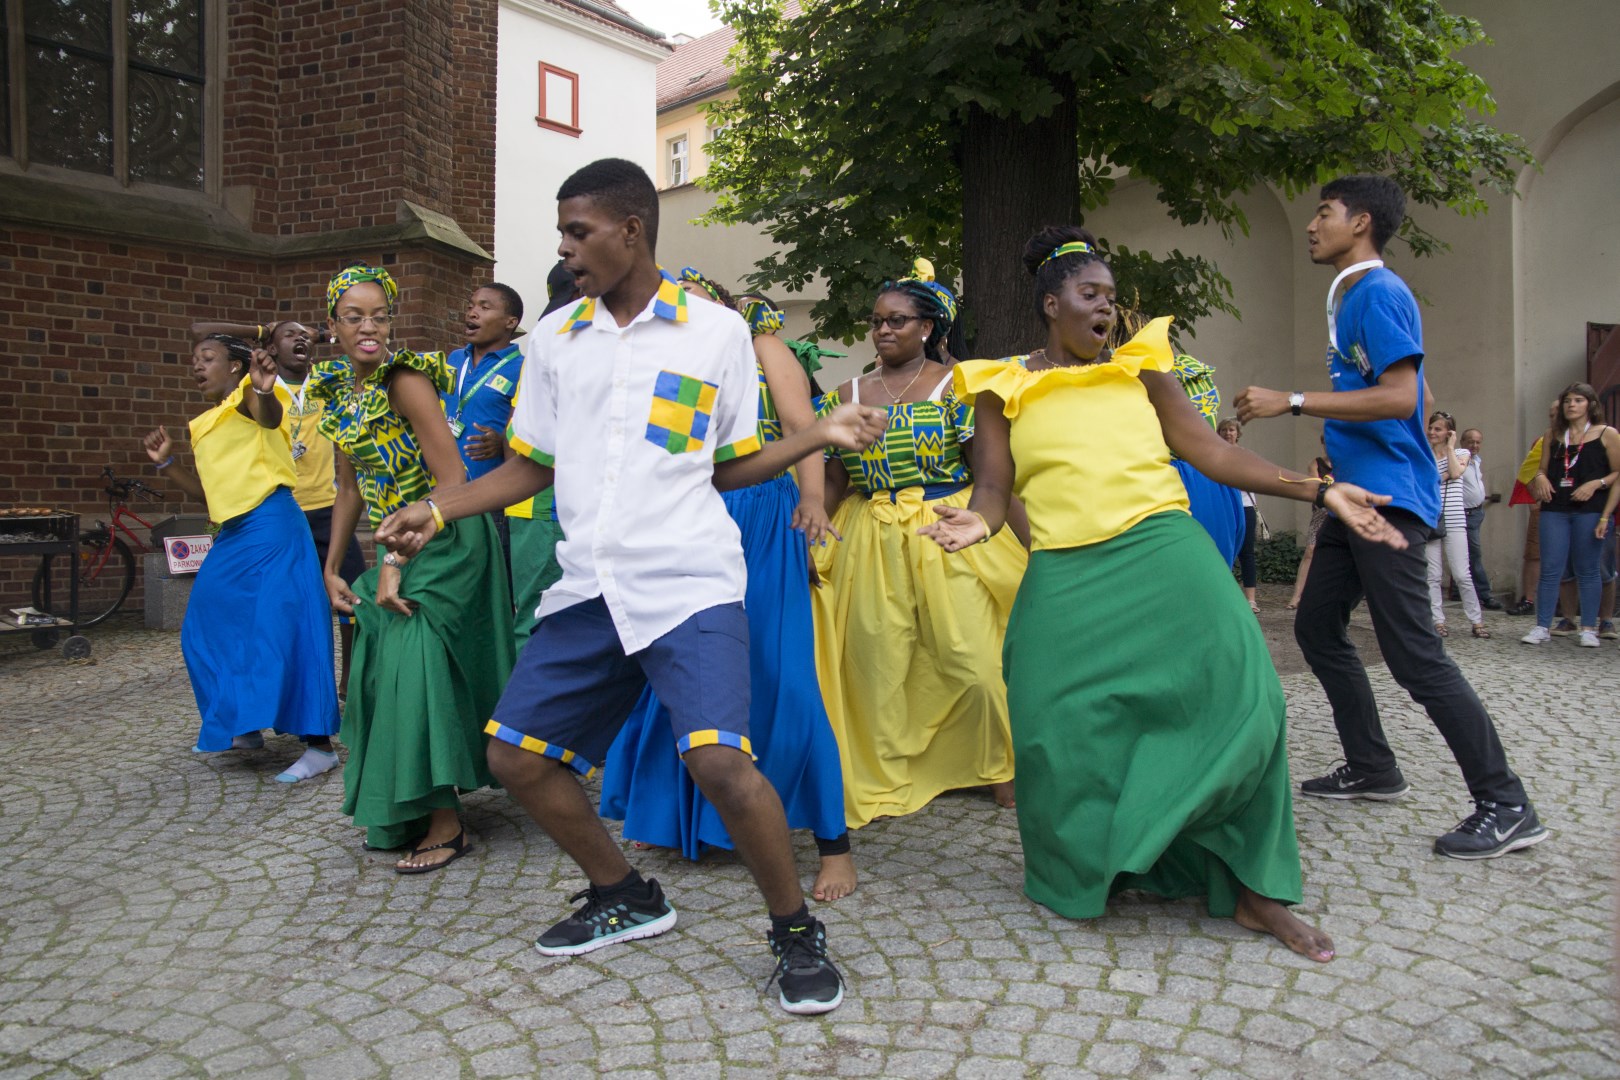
<point x="118" y="488"/>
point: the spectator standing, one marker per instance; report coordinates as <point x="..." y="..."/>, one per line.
<point x="1474" y="496"/>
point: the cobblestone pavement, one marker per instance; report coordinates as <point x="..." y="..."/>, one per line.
<point x="171" y="914"/>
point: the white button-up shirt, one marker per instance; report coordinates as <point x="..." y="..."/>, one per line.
<point x="633" y="419"/>
<point x="1473" y="481"/>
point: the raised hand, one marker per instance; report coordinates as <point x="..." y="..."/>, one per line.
<point x="263" y="371"/>
<point x="406" y="530"/>
<point x="957" y="528"/>
<point x="854" y="427"/>
<point x="157" y="445"/>
<point x="1356" y="507"/>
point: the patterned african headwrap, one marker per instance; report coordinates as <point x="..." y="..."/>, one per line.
<point x="359" y="274"/>
<point x="923" y="286"/>
<point x="763" y="316"/>
<point x="695" y="276"/>
<point x="1073" y="247"/>
<point x="1197" y="381"/>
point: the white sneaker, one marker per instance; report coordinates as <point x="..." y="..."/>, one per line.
<point x="1589" y="639"/>
<point x="1537" y="636"/>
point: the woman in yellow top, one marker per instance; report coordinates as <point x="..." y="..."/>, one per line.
<point x="908" y="642"/>
<point x="257" y="635"/>
<point x="1136" y="768"/>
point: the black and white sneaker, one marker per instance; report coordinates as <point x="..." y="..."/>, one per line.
<point x="807" y="980"/>
<point x="603" y="921"/>
<point x="1492" y="830"/>
<point x="1347" y="782"/>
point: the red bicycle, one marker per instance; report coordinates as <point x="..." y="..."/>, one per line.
<point x="106" y="563"/>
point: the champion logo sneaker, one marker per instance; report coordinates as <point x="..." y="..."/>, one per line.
<point x="1538" y="635"/>
<point x="1347" y="782"/>
<point x="1492" y="830"/>
<point x="607" y="920"/>
<point x="808" y="982"/>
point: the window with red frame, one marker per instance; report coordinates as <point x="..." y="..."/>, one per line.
<point x="559" y="100"/>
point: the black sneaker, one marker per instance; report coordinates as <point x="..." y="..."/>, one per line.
<point x="1492" y="830"/>
<point x="808" y="981"/>
<point x="1490" y="603"/>
<point x="1523" y="607"/>
<point x="605" y="921"/>
<point x="1346" y="782"/>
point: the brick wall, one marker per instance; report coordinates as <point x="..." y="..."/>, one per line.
<point x="334" y="115"/>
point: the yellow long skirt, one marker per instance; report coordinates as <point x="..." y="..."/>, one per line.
<point x="908" y="651"/>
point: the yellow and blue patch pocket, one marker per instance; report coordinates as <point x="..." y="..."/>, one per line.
<point x="681" y="408"/>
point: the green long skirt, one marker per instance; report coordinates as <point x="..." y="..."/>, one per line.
<point x="1148" y="727"/>
<point x="534" y="564"/>
<point x="421" y="688"/>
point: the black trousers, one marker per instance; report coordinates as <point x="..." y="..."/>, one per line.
<point x="1347" y="568"/>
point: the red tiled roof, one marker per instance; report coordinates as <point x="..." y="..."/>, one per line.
<point x="698" y="68"/>
<point x="595" y="17"/>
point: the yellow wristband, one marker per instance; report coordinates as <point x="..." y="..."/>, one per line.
<point x="986" y="538"/>
<point x="438" y="518"/>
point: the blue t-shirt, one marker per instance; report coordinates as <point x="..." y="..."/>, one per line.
<point x="1378" y="325"/>
<point x="488" y="400"/>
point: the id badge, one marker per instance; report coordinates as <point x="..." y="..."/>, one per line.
<point x="1566" y="482"/>
<point x="457" y="427"/>
<point x="298" y="449"/>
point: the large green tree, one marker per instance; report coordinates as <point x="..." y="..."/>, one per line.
<point x="868" y="132"/>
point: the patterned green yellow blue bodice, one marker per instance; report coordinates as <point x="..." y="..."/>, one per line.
<point x="387" y="459"/>
<point x="770" y="425"/>
<point x="923" y="445"/>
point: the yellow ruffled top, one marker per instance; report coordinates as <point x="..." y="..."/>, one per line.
<point x="1090" y="455"/>
<point x="238" y="461"/>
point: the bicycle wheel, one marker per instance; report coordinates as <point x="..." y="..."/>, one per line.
<point x="103" y="583"/>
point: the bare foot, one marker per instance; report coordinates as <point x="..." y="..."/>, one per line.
<point x="1269" y="917"/>
<point x="1003" y="793"/>
<point x="836" y="879"/>
<point x="443" y="827"/>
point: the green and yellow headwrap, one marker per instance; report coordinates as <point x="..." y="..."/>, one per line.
<point x="1197" y="381"/>
<point x="939" y="303"/>
<point x="359" y="274"/>
<point x="763" y="316"/>
<point x="695" y="276"/>
<point x="1073" y="247"/>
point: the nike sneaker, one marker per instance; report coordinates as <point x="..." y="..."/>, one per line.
<point x="1492" y="830"/>
<point x="807" y="981"/>
<point x="1348" y="782"/>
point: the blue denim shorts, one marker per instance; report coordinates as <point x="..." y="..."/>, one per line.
<point x="573" y="686"/>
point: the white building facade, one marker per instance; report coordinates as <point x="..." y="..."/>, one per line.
<point x="574" y="82"/>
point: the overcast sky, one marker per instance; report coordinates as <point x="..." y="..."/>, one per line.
<point x="673" y="16"/>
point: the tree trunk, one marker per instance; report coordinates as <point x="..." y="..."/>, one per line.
<point x="1016" y="178"/>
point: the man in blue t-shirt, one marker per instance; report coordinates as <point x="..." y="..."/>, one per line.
<point x="484" y="378"/>
<point x="1375" y="438"/>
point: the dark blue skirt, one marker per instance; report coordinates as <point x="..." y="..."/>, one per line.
<point x="644" y="783"/>
<point x="1218" y="508"/>
<point x="257" y="636"/>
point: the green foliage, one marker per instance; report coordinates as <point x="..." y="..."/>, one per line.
<point x="845" y="140"/>
<point x="1276" y="560"/>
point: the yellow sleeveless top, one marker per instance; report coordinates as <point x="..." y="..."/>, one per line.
<point x="240" y="463"/>
<point x="1090" y="455"/>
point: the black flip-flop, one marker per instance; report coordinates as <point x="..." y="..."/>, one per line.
<point x="458" y="844"/>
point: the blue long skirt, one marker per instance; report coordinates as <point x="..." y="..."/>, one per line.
<point x="1218" y="508"/>
<point x="257" y="636"/>
<point x="644" y="783"/>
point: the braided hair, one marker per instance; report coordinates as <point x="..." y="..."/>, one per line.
<point x="1050" y="269"/>
<point x="237" y="351"/>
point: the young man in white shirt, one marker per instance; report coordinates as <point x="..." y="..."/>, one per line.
<point x="639" y="405"/>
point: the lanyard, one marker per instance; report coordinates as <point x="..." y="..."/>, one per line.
<point x="297" y="412"/>
<point x="496" y="364"/>
<point x="1333" y="290"/>
<point x="1569" y="462"/>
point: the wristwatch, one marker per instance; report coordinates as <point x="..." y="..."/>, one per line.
<point x="1296" y="402"/>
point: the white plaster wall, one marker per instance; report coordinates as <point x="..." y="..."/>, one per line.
<point x="616" y="118"/>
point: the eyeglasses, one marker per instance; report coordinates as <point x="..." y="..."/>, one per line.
<point x="893" y="322"/>
<point x="356" y="320"/>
